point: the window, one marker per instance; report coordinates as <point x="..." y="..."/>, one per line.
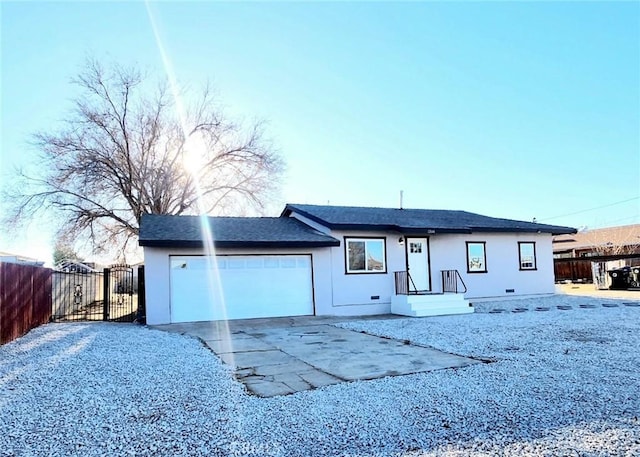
<point x="476" y="257"/>
<point x="527" y="255"/>
<point x="365" y="255"/>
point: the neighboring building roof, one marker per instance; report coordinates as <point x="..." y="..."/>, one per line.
<point x="17" y="258"/>
<point x="624" y="235"/>
<point x="415" y="220"/>
<point x="230" y="232"/>
<point x="75" y="266"/>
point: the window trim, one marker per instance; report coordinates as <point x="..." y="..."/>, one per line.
<point x="347" y="239"/>
<point x="535" y="257"/>
<point x="484" y="252"/>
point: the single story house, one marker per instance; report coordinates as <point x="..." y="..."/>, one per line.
<point x="336" y="260"/>
<point x="8" y="257"/>
<point x="76" y="266"/>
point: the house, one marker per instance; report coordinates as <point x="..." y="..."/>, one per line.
<point x="8" y="257"/>
<point x="587" y="256"/>
<point x="76" y="266"/>
<point x="620" y="240"/>
<point x="336" y="260"/>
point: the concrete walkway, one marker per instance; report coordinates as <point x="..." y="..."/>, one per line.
<point x="590" y="290"/>
<point x="286" y="355"/>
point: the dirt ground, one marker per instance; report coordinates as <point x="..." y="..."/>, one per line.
<point x="590" y="290"/>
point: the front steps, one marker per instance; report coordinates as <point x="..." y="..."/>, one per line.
<point x="430" y="305"/>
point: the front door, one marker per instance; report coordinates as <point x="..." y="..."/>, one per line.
<point x="418" y="264"/>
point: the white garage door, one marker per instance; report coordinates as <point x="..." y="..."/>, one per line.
<point x="240" y="287"/>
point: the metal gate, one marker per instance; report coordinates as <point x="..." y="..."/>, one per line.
<point x="110" y="295"/>
<point x="600" y="277"/>
<point x="120" y="294"/>
<point x="77" y="295"/>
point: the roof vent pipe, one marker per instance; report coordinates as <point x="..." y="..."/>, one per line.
<point x="401" y="193"/>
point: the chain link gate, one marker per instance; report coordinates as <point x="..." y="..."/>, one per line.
<point x="110" y="295"/>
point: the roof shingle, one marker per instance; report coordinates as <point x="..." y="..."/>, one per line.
<point x="608" y="237"/>
<point x="415" y="220"/>
<point x="186" y="231"/>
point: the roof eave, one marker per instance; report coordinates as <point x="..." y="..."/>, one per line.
<point x="548" y="230"/>
<point x="558" y="230"/>
<point x="431" y="230"/>
<point x="170" y="243"/>
<point x="277" y="244"/>
<point x="239" y="244"/>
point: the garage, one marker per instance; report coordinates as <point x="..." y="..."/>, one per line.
<point x="257" y="267"/>
<point x="219" y="287"/>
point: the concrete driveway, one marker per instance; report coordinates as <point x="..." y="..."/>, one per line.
<point x="281" y="356"/>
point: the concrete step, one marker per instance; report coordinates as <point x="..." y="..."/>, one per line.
<point x="430" y="305"/>
<point x="442" y="311"/>
<point x="436" y="299"/>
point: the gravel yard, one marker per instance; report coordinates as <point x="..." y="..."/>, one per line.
<point x="562" y="382"/>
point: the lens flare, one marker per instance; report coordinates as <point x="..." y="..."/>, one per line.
<point x="194" y="150"/>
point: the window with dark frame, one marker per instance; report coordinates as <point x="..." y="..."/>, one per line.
<point x="527" y="255"/>
<point x="476" y="257"/>
<point x="365" y="255"/>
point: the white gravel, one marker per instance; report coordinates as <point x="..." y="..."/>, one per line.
<point x="563" y="383"/>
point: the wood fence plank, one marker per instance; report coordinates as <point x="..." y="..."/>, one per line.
<point x="25" y="299"/>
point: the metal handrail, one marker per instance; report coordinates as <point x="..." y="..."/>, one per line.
<point x="402" y="282"/>
<point x="450" y="281"/>
<point x="415" y="289"/>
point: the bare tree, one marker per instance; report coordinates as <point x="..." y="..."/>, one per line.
<point x="614" y="240"/>
<point x="126" y="150"/>
<point x="64" y="251"/>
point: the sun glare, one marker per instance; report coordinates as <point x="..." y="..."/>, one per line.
<point x="193" y="160"/>
<point x="193" y="153"/>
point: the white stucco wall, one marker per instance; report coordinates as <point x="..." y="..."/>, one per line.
<point x="338" y="293"/>
<point x="157" y="277"/>
<point x="352" y="293"/>
<point x="448" y="252"/>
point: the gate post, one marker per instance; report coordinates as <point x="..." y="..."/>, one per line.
<point x="141" y="313"/>
<point x="106" y="296"/>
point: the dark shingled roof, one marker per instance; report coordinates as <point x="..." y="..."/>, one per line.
<point x="415" y="221"/>
<point x="230" y="232"/>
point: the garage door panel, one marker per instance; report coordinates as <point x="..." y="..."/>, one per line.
<point x="248" y="287"/>
<point x="189" y="303"/>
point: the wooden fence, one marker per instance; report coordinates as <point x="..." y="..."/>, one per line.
<point x="25" y="299"/>
<point x="573" y="270"/>
<point x="579" y="269"/>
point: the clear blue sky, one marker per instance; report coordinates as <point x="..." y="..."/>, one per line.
<point x="508" y="109"/>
